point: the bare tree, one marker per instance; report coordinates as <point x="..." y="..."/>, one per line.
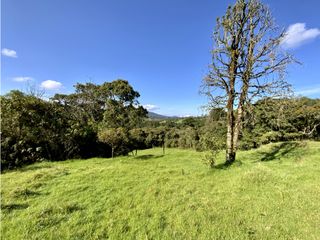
<point x="248" y="63"/>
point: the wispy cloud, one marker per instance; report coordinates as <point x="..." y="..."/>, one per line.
<point x="297" y="34"/>
<point x="22" y="79"/>
<point x="309" y="91"/>
<point x="51" y="85"/>
<point x="9" y="52"/>
<point x="151" y="107"/>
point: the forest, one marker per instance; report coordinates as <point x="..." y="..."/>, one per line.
<point x="106" y="120"/>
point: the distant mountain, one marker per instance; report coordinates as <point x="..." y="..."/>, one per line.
<point x="153" y="115"/>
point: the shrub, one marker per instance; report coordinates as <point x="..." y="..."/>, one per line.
<point x="271" y="136"/>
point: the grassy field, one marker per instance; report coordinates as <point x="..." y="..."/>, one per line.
<point x="270" y="193"/>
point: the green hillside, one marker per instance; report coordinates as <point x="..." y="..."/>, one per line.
<point x="156" y="116"/>
<point x="270" y="193"/>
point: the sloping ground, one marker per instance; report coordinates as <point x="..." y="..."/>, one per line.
<point x="270" y="193"/>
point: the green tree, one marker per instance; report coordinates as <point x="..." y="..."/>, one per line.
<point x="115" y="137"/>
<point x="122" y="111"/>
<point x="32" y="129"/>
<point x="305" y="116"/>
<point x="137" y="138"/>
<point x="156" y="137"/>
<point x="122" y="108"/>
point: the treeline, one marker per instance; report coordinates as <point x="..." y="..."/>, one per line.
<point x="276" y="120"/>
<point x="66" y="126"/>
<point x="268" y="120"/>
<point x="106" y="120"/>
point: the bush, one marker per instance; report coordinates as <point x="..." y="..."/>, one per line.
<point x="212" y="145"/>
<point x="271" y="136"/>
<point x="292" y="136"/>
<point x="249" y="139"/>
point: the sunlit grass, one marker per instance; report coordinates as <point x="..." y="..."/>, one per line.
<point x="175" y="196"/>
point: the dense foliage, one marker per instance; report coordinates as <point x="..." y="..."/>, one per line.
<point x="65" y="126"/>
<point x="271" y="120"/>
<point x="276" y="120"/>
<point x="106" y="120"/>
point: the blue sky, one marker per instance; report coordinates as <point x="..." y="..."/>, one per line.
<point x="161" y="47"/>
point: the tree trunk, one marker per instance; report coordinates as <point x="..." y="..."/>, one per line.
<point x="230" y="158"/>
<point x="136" y="152"/>
<point x="230" y="153"/>
<point x="163" y="150"/>
<point x="238" y="126"/>
<point x="244" y="93"/>
<point x="112" y="151"/>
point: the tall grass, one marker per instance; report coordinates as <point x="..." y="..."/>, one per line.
<point x="270" y="193"/>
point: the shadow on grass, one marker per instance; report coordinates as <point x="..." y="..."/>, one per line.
<point x="13" y="206"/>
<point x="278" y="151"/>
<point x="25" y="193"/>
<point x="31" y="168"/>
<point x="224" y="166"/>
<point x="148" y="157"/>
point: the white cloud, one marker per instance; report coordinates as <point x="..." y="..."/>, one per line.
<point x="22" y="79"/>
<point x="51" y="85"/>
<point x="309" y="91"/>
<point x="9" y="52"/>
<point x="151" y="107"/>
<point x="297" y="34"/>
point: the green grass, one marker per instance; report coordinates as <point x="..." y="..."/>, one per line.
<point x="167" y="197"/>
